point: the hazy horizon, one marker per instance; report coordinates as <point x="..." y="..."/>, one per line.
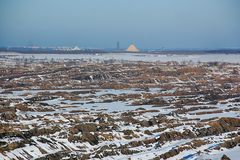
<point x="154" y="24"/>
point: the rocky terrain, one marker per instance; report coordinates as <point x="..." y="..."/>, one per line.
<point x="82" y="109"/>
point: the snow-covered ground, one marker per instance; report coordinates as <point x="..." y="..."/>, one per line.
<point x="232" y="58"/>
<point x="120" y="110"/>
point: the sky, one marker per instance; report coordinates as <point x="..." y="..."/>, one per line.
<point x="149" y="24"/>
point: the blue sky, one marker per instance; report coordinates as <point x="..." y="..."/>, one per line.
<point x="186" y="24"/>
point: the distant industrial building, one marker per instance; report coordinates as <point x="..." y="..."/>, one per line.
<point x="118" y="46"/>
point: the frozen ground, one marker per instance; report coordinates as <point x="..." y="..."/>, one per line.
<point x="125" y="110"/>
<point x="231" y="58"/>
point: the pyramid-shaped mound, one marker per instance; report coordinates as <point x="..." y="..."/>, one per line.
<point x="132" y="48"/>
